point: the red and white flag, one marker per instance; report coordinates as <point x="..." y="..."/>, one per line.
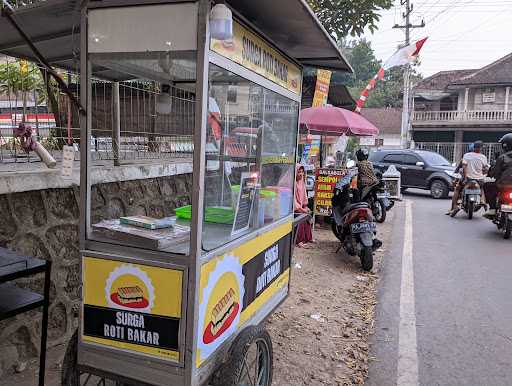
<point x="403" y="56"/>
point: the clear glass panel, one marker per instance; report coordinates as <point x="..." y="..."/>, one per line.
<point x="250" y="157"/>
<point x="142" y="105"/>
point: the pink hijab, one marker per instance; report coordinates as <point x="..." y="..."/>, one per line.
<point x="301" y="197"/>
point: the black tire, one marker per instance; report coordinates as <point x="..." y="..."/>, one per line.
<point x="439" y="189"/>
<point x="335" y="230"/>
<point x="507" y="229"/>
<point x="70" y="375"/>
<point x="471" y="209"/>
<point x="367" y="258"/>
<point x="379" y="210"/>
<point x="236" y="368"/>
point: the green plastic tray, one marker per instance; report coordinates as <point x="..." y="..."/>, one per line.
<point x="263" y="192"/>
<point x="213" y="214"/>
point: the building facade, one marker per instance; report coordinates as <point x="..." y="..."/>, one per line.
<point x="460" y="107"/>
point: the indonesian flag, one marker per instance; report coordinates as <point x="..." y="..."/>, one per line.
<point x="403" y="56"/>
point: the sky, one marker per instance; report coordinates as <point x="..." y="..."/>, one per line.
<point x="463" y="34"/>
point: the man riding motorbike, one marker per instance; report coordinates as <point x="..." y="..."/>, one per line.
<point x="502" y="172"/>
<point x="474" y="167"/>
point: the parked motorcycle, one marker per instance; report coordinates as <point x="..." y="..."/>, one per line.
<point x="503" y="218"/>
<point x="378" y="199"/>
<point x="353" y="223"/>
<point x="470" y="201"/>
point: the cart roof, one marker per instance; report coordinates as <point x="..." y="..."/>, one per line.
<point x="54" y="26"/>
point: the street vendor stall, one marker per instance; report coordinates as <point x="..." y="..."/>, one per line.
<point x="176" y="294"/>
<point x="335" y="121"/>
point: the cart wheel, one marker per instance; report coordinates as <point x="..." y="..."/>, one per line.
<point x="249" y="362"/>
<point x="70" y="374"/>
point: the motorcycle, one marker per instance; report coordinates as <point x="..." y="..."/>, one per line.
<point x="470" y="201"/>
<point x="503" y="218"/>
<point x="378" y="199"/>
<point x="353" y="223"/>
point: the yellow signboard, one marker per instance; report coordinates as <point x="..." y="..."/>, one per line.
<point x="132" y="307"/>
<point x="323" y="80"/>
<point x="235" y="285"/>
<point x="278" y="159"/>
<point x="248" y="50"/>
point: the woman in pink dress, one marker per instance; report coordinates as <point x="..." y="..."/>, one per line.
<point x="304" y="231"/>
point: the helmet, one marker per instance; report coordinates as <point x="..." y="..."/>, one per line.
<point x="506" y="142"/>
<point x="362" y="154"/>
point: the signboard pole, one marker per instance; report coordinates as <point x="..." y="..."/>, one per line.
<point x="323" y="80"/>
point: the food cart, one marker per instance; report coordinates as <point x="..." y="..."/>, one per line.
<point x="178" y="297"/>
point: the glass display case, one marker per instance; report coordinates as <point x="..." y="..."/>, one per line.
<point x="253" y="131"/>
<point x="142" y="99"/>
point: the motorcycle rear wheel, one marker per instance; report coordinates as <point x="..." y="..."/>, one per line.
<point x="471" y="209"/>
<point x="507" y="229"/>
<point x="367" y="258"/>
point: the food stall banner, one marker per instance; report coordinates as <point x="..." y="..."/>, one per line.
<point x="326" y="179"/>
<point x="250" y="51"/>
<point x="132" y="307"/>
<point x="239" y="284"/>
<point x="305" y="154"/>
<point x="323" y="80"/>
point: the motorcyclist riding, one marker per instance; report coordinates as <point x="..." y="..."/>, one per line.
<point x="474" y="167"/>
<point x="502" y="172"/>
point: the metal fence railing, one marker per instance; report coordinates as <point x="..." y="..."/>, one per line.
<point x="133" y="146"/>
<point x="450" y="150"/>
<point x="145" y="132"/>
<point x="457" y="116"/>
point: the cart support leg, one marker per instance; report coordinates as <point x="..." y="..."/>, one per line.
<point x="44" y="324"/>
<point x="116" y="127"/>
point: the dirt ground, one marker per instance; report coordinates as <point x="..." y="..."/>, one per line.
<point x="320" y="333"/>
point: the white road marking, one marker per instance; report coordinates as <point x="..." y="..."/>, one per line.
<point x="407" y="374"/>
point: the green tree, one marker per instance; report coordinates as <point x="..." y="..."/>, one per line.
<point x="349" y="17"/>
<point x="20" y="79"/>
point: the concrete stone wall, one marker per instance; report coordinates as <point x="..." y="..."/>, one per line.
<point x="44" y="223"/>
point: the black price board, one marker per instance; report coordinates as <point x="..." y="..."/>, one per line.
<point x="244" y="203"/>
<point x="131" y="327"/>
<point x="266" y="267"/>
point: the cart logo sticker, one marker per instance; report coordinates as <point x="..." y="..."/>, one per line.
<point x="223" y="315"/>
<point x="219" y="313"/>
<point x="132" y="307"/>
<point x="130" y="288"/>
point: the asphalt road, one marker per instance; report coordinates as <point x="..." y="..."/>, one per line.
<point x="460" y="293"/>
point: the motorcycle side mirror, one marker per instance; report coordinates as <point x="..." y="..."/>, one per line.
<point x="421" y="164"/>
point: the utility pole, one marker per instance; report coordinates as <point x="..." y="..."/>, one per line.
<point x="407" y="85"/>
